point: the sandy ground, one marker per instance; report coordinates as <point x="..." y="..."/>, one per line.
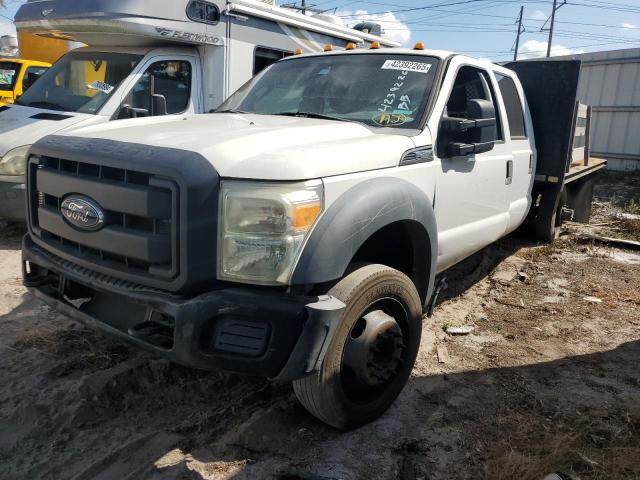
<point x="547" y="382"/>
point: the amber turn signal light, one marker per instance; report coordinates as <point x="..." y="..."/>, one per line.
<point x="375" y="45"/>
<point x="418" y="46"/>
<point x="350" y="46"/>
<point x="328" y="47"/>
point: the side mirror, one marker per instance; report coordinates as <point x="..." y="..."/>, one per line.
<point x="158" y="105"/>
<point x="467" y="136"/>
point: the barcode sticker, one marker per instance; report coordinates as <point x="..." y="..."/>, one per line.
<point x="406" y="66"/>
<point x="101" y="87"/>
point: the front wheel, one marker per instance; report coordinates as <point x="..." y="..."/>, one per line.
<point x="372" y="351"/>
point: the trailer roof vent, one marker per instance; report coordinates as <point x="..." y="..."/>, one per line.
<point x="369" y="27"/>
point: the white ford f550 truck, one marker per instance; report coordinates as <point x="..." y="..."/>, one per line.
<point x="147" y="58"/>
<point x="298" y="232"/>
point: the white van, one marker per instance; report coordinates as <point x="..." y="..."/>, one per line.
<point x="183" y="58"/>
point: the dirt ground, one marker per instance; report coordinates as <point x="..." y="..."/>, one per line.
<point x="547" y="382"/>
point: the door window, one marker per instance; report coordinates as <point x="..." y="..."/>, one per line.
<point x="513" y="104"/>
<point x="31" y="75"/>
<point x="471" y="83"/>
<point x="170" y="79"/>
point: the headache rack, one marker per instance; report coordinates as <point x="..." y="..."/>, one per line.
<point x="139" y="239"/>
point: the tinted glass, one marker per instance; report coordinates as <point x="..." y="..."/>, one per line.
<point x="9" y="72"/>
<point x="80" y="82"/>
<point x="267" y="56"/>
<point x="513" y="104"/>
<point x="384" y="90"/>
<point x="202" y="11"/>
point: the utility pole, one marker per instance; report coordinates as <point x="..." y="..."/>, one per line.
<point x="304" y="8"/>
<point x="515" y="54"/>
<point x="553" y="19"/>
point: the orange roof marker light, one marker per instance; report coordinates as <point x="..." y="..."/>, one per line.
<point x="297" y="51"/>
<point x="375" y="45"/>
<point x="328" y="47"/>
<point x="350" y="46"/>
<point x="418" y="46"/>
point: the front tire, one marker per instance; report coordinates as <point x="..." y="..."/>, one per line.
<point x="372" y="352"/>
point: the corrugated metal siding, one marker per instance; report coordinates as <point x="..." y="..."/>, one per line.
<point x="610" y="82"/>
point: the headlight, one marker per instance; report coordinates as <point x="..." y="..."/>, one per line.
<point x="15" y="162"/>
<point x="263" y="227"/>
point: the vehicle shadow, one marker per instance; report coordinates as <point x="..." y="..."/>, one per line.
<point x="577" y="415"/>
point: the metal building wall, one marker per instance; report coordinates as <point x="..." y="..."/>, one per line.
<point x="610" y="82"/>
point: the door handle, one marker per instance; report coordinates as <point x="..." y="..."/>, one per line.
<point x="509" y="172"/>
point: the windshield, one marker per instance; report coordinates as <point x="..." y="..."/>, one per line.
<point x="8" y="74"/>
<point x="80" y="82"/>
<point x="384" y="90"/>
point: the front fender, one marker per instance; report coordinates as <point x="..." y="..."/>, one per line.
<point x="358" y="214"/>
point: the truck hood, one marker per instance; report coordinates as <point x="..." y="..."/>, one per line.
<point x="264" y="146"/>
<point x="19" y="128"/>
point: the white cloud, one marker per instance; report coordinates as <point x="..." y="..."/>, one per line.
<point x="628" y="25"/>
<point x="536" y="49"/>
<point x="394" y="28"/>
<point x="539" y="15"/>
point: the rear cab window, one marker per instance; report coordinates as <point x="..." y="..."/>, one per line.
<point x="513" y="106"/>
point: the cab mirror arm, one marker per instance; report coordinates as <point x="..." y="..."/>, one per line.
<point x="127" y="111"/>
<point x="462" y="137"/>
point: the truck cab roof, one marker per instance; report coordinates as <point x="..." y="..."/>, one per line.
<point x="440" y="54"/>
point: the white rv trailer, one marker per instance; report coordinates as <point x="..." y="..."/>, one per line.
<point x="148" y="58"/>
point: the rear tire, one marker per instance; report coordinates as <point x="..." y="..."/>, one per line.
<point x="549" y="222"/>
<point x="369" y="360"/>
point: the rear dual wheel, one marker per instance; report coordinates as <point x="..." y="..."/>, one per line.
<point x="372" y="352"/>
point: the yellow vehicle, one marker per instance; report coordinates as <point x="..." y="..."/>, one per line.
<point x="17" y="75"/>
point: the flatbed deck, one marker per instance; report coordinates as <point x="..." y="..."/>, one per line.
<point x="578" y="171"/>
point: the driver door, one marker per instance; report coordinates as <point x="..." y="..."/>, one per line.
<point x="471" y="198"/>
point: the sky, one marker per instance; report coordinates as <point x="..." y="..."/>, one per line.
<point x="483" y="28"/>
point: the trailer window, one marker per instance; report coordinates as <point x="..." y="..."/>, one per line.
<point x="513" y="104"/>
<point x="264" y="57"/>
<point x="472" y="83"/>
<point x="201" y="11"/>
<point x="170" y="79"/>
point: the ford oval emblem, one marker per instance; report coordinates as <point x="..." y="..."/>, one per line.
<point x="83" y="213"/>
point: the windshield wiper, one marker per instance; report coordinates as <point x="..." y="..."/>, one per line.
<point x="230" y="110"/>
<point x="312" y="115"/>
<point x="47" y="105"/>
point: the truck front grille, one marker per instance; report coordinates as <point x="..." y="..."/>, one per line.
<point x="140" y="232"/>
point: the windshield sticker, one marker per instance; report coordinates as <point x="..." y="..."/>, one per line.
<point x="390" y="119"/>
<point x="418" y="67"/>
<point x="101" y="87"/>
<point x="6" y="77"/>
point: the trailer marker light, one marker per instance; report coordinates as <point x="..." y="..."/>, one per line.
<point x="374" y="45"/>
<point x="350" y="46"/>
<point x="328" y="47"/>
<point x="418" y="46"/>
<point x="297" y="51"/>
